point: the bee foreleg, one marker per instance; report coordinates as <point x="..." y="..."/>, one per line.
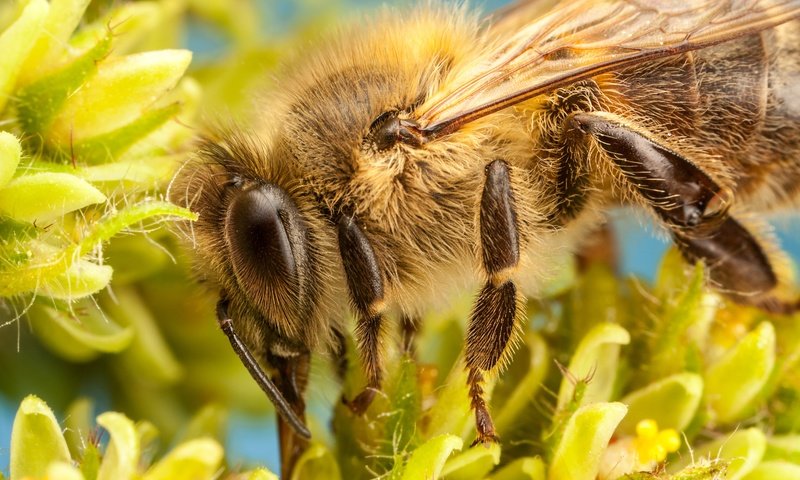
<point x="492" y="320"/>
<point x="365" y="282"/>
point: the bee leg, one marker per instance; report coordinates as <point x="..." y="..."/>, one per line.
<point x="291" y="379"/>
<point x="692" y="205"/>
<point x="491" y="322"/>
<point x="365" y="283"/>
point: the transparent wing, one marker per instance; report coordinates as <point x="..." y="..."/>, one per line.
<point x="583" y="38"/>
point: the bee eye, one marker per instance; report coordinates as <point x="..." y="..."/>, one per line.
<point x="258" y="240"/>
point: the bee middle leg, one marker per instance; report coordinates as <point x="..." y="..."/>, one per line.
<point x="365" y="282"/>
<point x="492" y="320"/>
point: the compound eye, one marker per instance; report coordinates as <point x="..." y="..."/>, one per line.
<point x="259" y="242"/>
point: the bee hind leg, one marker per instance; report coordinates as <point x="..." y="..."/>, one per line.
<point x="691" y="204"/>
<point x="365" y="283"/>
<point x="493" y="317"/>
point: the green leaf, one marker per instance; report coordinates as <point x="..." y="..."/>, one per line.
<point x="316" y="462"/>
<point x="10" y="153"/>
<point x="36" y="440"/>
<point x="525" y="468"/>
<point x="783" y="447"/>
<point x="750" y="363"/>
<point x="122" y="453"/>
<point x="586" y="436"/>
<point x="63" y="17"/>
<point x="148" y="355"/>
<point x="773" y="471"/>
<point x="81" y="279"/>
<point x="46" y="196"/>
<point x="99" y="107"/>
<point x="596" y="358"/>
<point x="108" y="146"/>
<point x="78" y="423"/>
<point x="16" y="43"/>
<point x="672" y="402"/>
<point x="742" y="450"/>
<point x="428" y="460"/>
<point x="260" y="474"/>
<point x="538" y="363"/>
<point x="473" y="463"/>
<point x="196" y="459"/>
<point x="80" y="334"/>
<point x="39" y="102"/>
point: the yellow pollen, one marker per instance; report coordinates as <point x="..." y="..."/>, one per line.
<point x="652" y="444"/>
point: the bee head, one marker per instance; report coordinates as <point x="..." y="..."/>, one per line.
<point x="260" y="239"/>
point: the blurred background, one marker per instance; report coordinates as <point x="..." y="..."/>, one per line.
<point x="189" y="365"/>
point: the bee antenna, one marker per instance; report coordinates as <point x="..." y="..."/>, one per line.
<point x="281" y="405"/>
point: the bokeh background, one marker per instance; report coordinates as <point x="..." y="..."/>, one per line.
<point x="279" y="25"/>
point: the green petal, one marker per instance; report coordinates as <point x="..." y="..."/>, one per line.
<point x="122" y="453"/>
<point x="596" y="357"/>
<point x="742" y="450"/>
<point x="10" y="152"/>
<point x="43" y="197"/>
<point x="671" y="402"/>
<point x="78" y="423"/>
<point x="98" y="108"/>
<point x="36" y="440"/>
<point x="81" y="279"/>
<point x="16" y="43"/>
<point x="774" y="470"/>
<point x="473" y="463"/>
<point x="750" y="362"/>
<point x="194" y="460"/>
<point x="316" y="462"/>
<point x="79" y="337"/>
<point x="428" y="459"/>
<point x="526" y="468"/>
<point x="586" y="436"/>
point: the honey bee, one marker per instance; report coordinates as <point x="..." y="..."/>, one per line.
<point x="415" y="155"/>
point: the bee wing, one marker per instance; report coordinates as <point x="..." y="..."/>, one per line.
<point x="583" y="38"/>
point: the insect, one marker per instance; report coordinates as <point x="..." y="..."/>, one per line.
<point x="403" y="159"/>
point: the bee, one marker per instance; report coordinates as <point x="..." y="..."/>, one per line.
<point x="422" y="153"/>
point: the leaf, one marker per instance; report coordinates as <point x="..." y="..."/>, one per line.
<point x="43" y="197"/>
<point x="196" y="459"/>
<point x="122" y="453"/>
<point x="316" y="462"/>
<point x="743" y="450"/>
<point x="62" y="19"/>
<point x="783" y="447"/>
<point x="36" y="440"/>
<point x="525" y="468"/>
<point x="16" y="42"/>
<point x="476" y="462"/>
<point x="586" y="436"/>
<point x="79" y="335"/>
<point x="82" y="279"/>
<point x="774" y="470"/>
<point x="149" y="355"/>
<point x="39" y="102"/>
<point x="596" y="358"/>
<point x="538" y="363"/>
<point x="750" y="362"/>
<point x="100" y="106"/>
<point x="10" y="153"/>
<point x="672" y="402"/>
<point x="428" y="459"/>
